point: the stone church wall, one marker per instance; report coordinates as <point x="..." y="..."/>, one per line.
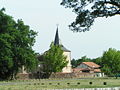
<point x="68" y="68"/>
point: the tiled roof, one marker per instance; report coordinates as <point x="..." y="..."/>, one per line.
<point x="77" y="69"/>
<point x="91" y="64"/>
<point x="97" y="70"/>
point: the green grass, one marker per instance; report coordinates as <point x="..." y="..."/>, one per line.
<point x="59" y="84"/>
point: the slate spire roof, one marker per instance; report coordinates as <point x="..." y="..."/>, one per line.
<point x="57" y="41"/>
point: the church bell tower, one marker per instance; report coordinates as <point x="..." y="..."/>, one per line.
<point x="66" y="52"/>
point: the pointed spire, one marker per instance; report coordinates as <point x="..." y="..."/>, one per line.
<point x="56" y="41"/>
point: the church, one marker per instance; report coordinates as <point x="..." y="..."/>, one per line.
<point x="85" y="69"/>
<point x="66" y="52"/>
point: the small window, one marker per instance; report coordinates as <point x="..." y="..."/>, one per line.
<point x="86" y="71"/>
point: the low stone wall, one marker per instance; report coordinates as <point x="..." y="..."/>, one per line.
<point x="71" y="75"/>
<point x="55" y="75"/>
<point x="82" y="75"/>
<point x="24" y="76"/>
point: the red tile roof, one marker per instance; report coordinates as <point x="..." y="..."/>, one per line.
<point x="91" y="64"/>
<point x="77" y="69"/>
<point x="97" y="70"/>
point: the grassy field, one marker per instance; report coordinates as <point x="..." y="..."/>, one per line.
<point x="59" y="84"/>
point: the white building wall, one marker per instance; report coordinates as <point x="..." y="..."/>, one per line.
<point x="68" y="68"/>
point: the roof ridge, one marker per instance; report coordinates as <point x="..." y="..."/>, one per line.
<point x="91" y="64"/>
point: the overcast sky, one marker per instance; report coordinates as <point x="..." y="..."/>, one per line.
<point x="43" y="15"/>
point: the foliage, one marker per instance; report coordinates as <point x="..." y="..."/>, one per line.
<point x="98" y="61"/>
<point x="111" y="62"/>
<point x="88" y="10"/>
<point x="54" y="60"/>
<point x="75" y="63"/>
<point x="16" y="41"/>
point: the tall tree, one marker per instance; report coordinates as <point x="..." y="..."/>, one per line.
<point x="16" y="41"/>
<point x="54" y="60"/>
<point x="75" y="63"/>
<point x="98" y="61"/>
<point x="111" y="62"/>
<point x="88" y="10"/>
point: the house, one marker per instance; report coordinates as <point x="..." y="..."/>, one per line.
<point x="88" y="67"/>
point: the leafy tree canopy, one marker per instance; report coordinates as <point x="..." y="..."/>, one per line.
<point x="88" y="10"/>
<point x="75" y="63"/>
<point x="54" y="60"/>
<point x="16" y="41"/>
<point x="111" y="62"/>
<point x="98" y="61"/>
